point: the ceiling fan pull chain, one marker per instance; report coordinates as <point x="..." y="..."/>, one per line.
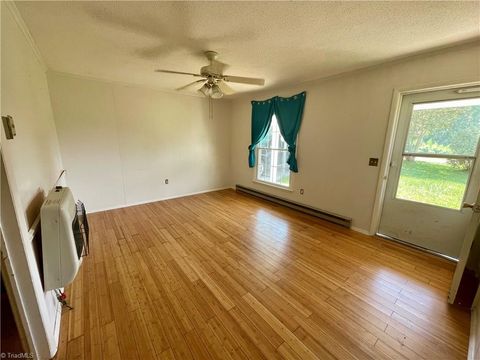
<point x="210" y="108"/>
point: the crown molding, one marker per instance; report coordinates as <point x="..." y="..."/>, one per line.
<point x="10" y="5"/>
<point x="466" y="44"/>
<point x="125" y="84"/>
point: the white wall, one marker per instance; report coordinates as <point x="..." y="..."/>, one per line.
<point x="32" y="164"/>
<point x="344" y="124"/>
<point x="119" y="143"/>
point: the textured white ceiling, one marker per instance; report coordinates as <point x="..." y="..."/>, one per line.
<point x="283" y="42"/>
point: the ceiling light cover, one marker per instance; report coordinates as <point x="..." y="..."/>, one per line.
<point x="205" y="89"/>
<point x="216" y="92"/>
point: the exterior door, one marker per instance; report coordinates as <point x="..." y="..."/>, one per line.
<point x="470" y="234"/>
<point x="434" y="170"/>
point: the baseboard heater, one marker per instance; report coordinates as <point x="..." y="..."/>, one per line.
<point x="325" y="215"/>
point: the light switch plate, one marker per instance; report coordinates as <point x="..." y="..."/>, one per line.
<point x="9" y="127"/>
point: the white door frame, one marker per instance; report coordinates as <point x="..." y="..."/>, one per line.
<point x="397" y="98"/>
<point x="12" y="252"/>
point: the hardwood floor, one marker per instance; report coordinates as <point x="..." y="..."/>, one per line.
<point x="224" y="275"/>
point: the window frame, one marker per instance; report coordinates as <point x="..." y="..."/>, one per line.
<point x="255" y="169"/>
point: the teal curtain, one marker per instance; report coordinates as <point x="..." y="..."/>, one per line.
<point x="289" y="113"/>
<point x="262" y="112"/>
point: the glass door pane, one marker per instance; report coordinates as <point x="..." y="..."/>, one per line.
<point x="444" y="127"/>
<point x="439" y="152"/>
<point x="434" y="181"/>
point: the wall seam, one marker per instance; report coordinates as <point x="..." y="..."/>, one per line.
<point x="122" y="167"/>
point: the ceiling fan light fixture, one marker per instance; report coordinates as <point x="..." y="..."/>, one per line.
<point x="214" y="80"/>
<point x="216" y="92"/>
<point x="205" y="89"/>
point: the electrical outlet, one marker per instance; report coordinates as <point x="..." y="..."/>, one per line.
<point x="373" y="162"/>
<point x="302" y="191"/>
<point x="166" y="181"/>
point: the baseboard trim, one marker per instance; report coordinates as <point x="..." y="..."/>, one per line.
<point x="361" y="231"/>
<point x="156" y="200"/>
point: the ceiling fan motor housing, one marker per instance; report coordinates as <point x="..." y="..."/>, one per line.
<point x="211" y="55"/>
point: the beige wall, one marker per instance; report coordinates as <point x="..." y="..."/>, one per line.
<point x="32" y="164"/>
<point x="344" y="124"/>
<point x="119" y="143"/>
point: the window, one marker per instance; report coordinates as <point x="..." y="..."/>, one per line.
<point x="272" y="158"/>
<point x="440" y="152"/>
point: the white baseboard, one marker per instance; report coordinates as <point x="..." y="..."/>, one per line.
<point x="473" y="344"/>
<point x="357" y="229"/>
<point x="361" y="231"/>
<point x="474" y="337"/>
<point x="155" y="200"/>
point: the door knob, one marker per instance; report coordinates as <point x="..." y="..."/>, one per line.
<point x="474" y="207"/>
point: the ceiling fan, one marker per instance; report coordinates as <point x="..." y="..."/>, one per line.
<point x="214" y="81"/>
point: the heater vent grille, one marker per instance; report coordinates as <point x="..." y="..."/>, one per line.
<point x="322" y="214"/>
<point x="81" y="230"/>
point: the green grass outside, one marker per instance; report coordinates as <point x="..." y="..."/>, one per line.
<point x="435" y="184"/>
<point x="285" y="180"/>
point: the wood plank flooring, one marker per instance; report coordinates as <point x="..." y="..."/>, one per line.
<point x="227" y="276"/>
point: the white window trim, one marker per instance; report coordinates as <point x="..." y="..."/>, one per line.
<point x="261" y="182"/>
<point x="285" y="188"/>
<point x="267" y="183"/>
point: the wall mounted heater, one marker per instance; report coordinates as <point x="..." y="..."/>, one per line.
<point x="64" y="237"/>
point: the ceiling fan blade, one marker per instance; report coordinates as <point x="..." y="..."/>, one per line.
<point x="226" y="89"/>
<point x="244" y="80"/>
<point x="188" y="85"/>
<point x="177" y="72"/>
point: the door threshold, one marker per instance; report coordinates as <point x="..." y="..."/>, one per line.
<point x="431" y="252"/>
